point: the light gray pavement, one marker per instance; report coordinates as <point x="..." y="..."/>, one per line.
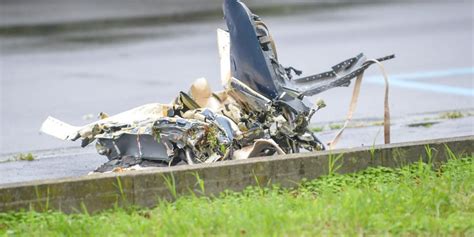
<point x="34" y="12"/>
<point x="72" y="73"/>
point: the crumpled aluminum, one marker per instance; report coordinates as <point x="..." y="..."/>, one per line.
<point x="262" y="110"/>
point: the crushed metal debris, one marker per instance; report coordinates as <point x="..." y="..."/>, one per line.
<point x="262" y="111"/>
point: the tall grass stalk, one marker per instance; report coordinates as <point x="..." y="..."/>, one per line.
<point x="170" y="183"/>
<point x="200" y="183"/>
<point x="333" y="163"/>
<point x="120" y="189"/>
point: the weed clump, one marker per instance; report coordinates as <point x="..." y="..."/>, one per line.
<point x="335" y="126"/>
<point x="317" y="129"/>
<point x="452" y="115"/>
<point x="377" y="123"/>
<point x="25" y="157"/>
<point x="423" y="124"/>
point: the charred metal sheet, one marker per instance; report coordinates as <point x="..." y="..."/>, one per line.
<point x="262" y="110"/>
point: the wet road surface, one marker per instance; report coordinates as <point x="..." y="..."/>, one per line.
<point x="75" y="161"/>
<point x="73" y="73"/>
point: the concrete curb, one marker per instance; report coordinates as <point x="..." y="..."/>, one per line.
<point x="145" y="188"/>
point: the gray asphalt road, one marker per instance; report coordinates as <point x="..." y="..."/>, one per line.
<point x="69" y="162"/>
<point x="71" y="73"/>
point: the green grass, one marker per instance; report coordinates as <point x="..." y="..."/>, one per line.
<point x="359" y="124"/>
<point x="20" y="157"/>
<point x="317" y="129"/>
<point x="452" y="115"/>
<point x="377" y="123"/>
<point x="422" y="124"/>
<point x="411" y="201"/>
<point x="335" y="126"/>
<point x="25" y="157"/>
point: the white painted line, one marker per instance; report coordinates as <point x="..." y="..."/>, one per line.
<point x="409" y="81"/>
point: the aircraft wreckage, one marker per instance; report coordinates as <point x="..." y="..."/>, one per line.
<point x="262" y="111"/>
